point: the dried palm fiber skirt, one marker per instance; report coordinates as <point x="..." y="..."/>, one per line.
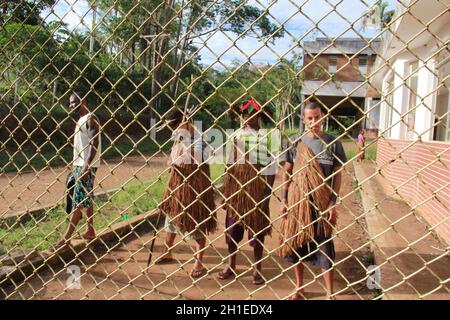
<point x="189" y="198"/>
<point x="308" y="199"/>
<point x="245" y="192"/>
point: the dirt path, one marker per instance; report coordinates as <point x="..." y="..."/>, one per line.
<point x="120" y="274"/>
<point x="32" y="190"/>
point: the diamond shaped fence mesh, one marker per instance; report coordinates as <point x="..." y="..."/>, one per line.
<point x="230" y="149"/>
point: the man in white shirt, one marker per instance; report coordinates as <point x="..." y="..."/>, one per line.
<point x="86" y="160"/>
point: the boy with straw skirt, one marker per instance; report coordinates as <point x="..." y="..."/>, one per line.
<point x="188" y="200"/>
<point x="247" y="188"/>
<point x="311" y="184"/>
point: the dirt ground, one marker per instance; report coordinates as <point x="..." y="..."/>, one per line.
<point x="121" y="273"/>
<point x="32" y="190"/>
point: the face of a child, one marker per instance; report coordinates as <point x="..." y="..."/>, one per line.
<point x="251" y="120"/>
<point x="313" y="119"/>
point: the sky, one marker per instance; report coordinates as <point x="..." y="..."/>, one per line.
<point x="332" y="17"/>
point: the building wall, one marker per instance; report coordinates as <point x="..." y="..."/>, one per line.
<point x="348" y="73"/>
<point x="432" y="90"/>
<point x="424" y="118"/>
<point x="372" y="118"/>
<point x="421" y="175"/>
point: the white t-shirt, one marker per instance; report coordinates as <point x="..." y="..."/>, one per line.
<point x="81" y="144"/>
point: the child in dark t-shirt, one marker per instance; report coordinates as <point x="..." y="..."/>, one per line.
<point x="329" y="154"/>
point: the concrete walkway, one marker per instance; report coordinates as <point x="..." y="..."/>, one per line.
<point x="414" y="264"/>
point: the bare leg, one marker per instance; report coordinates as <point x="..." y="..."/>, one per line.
<point x="328" y="278"/>
<point x="232" y="248"/>
<point x="198" y="269"/>
<point x="298" y="270"/>
<point x="74" y="220"/>
<point x="258" y="254"/>
<point x="228" y="271"/>
<point x="200" y="245"/>
<point x="90" y="232"/>
<point x="170" y="239"/>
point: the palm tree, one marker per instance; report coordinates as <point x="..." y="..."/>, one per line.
<point x="93" y="5"/>
<point x="377" y="15"/>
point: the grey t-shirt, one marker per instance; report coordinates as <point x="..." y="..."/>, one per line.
<point x="330" y="159"/>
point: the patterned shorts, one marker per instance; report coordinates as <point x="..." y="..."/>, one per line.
<point x="83" y="197"/>
<point x="169" y="227"/>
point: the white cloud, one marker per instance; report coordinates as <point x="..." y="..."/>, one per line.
<point x="76" y="13"/>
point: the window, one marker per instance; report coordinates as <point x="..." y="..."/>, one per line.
<point x="447" y="127"/>
<point x="442" y="128"/>
<point x="412" y="103"/>
<point x="332" y="65"/>
<point x="362" y="63"/>
<point x="442" y="118"/>
<point x="389" y="99"/>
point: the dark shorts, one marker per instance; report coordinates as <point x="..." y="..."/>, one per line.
<point x="235" y="233"/>
<point x="83" y="197"/>
<point x="319" y="252"/>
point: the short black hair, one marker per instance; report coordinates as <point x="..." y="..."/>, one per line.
<point x="175" y="114"/>
<point x="311" y="106"/>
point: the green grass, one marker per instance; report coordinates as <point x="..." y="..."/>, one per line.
<point x="371" y="152"/>
<point x="350" y="149"/>
<point x="356" y="194"/>
<point x="135" y="199"/>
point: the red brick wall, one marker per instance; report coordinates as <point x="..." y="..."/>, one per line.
<point x="348" y="73"/>
<point x="425" y="181"/>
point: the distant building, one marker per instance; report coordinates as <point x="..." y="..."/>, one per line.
<point x="335" y="73"/>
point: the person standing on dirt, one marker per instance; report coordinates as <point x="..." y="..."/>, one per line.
<point x="247" y="189"/>
<point x="311" y="184"/>
<point x="86" y="160"/>
<point x="188" y="200"/>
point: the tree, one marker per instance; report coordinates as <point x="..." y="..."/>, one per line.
<point x="378" y="15"/>
<point x="289" y="82"/>
<point x="161" y="34"/>
<point x="26" y="56"/>
<point x="23" y="11"/>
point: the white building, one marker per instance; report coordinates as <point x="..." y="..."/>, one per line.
<point x="413" y="73"/>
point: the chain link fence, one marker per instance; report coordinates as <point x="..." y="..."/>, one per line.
<point x="199" y="149"/>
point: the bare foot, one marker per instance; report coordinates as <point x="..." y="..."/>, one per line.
<point x="226" y="273"/>
<point x="90" y="235"/>
<point x="164" y="258"/>
<point x="300" y="295"/>
<point x="198" y="265"/>
<point x="197" y="273"/>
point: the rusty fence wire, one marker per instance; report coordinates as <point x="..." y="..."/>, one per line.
<point x="229" y="149"/>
